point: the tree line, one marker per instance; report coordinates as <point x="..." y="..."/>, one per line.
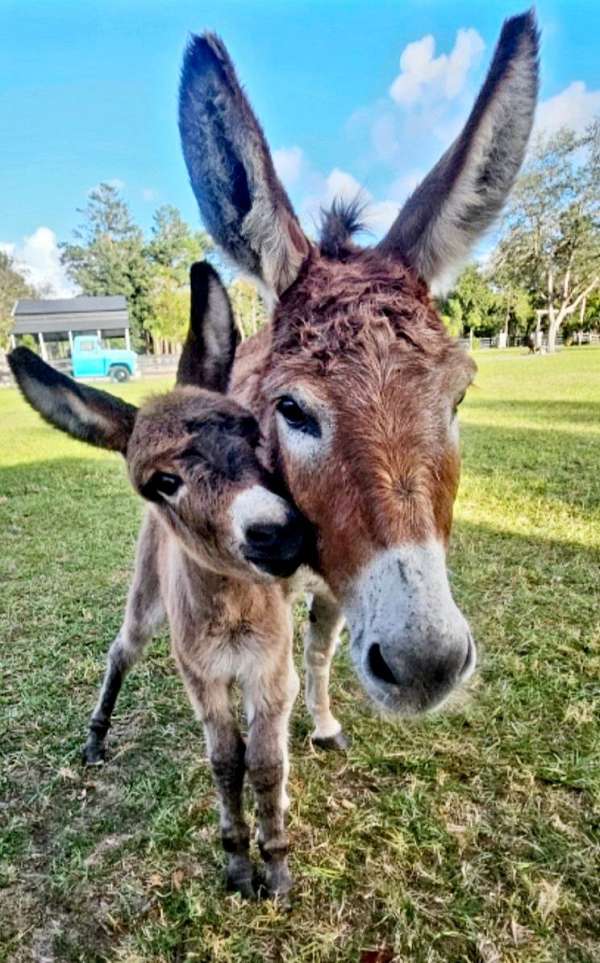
<point x="543" y="273"/>
<point x="109" y="254"/>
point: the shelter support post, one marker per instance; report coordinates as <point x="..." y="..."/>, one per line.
<point x="42" y="344"/>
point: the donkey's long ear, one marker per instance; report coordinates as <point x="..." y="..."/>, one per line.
<point x="466" y="189"/>
<point x="209" y="349"/>
<point x="241" y="199"/>
<point x="85" y="413"/>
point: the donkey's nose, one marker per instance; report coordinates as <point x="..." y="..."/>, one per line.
<point x="277" y="548"/>
<point x="379" y="667"/>
<point x="434" y="669"/>
<point x="429" y="673"/>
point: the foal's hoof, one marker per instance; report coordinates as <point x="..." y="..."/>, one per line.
<point x="277" y="885"/>
<point x="337" y="743"/>
<point x="241" y="883"/>
<point x="93" y="753"/>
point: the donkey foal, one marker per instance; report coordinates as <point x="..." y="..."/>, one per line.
<point x="214" y="542"/>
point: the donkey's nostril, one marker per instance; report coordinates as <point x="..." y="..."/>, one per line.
<point x="470" y="656"/>
<point x="379" y="666"/>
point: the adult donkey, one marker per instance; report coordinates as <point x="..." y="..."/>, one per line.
<point x="355" y="381"/>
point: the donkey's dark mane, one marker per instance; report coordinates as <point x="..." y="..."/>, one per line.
<point x="339" y="224"/>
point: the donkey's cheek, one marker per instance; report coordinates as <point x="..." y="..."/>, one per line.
<point x="445" y="493"/>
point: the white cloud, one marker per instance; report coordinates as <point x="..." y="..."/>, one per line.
<point x="573" y="107"/>
<point x="381" y="215"/>
<point x="341" y="184"/>
<point x="427" y="103"/>
<point x="424" y="75"/>
<point x="149" y="194"/>
<point x="289" y="163"/>
<point x="404" y="185"/>
<point x="38" y="257"/>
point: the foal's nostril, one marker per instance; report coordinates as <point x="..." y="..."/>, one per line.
<point x="379" y="666"/>
<point x="276" y="548"/>
<point x="263" y="536"/>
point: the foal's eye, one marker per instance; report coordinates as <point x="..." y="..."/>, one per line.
<point x="161" y="484"/>
<point x="297" y="418"/>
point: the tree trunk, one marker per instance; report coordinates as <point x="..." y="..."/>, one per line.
<point x="554" y="323"/>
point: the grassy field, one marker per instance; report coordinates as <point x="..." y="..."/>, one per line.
<point x="469" y="836"/>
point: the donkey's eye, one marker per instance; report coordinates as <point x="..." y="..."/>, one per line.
<point x="459" y="402"/>
<point x="161" y="484"/>
<point x="297" y="418"/>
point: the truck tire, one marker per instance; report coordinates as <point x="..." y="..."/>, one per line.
<point x="119" y="373"/>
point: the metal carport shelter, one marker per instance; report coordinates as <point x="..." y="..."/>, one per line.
<point x="61" y="319"/>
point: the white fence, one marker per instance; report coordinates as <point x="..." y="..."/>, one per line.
<point x="166" y="364"/>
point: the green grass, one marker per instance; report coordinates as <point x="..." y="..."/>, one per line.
<point x="468" y="836"/>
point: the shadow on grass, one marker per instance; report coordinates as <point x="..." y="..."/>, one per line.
<point x="549" y="413"/>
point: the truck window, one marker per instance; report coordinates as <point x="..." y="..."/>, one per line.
<point x="87" y="345"/>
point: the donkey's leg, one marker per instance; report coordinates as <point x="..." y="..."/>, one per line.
<point x="320" y="643"/>
<point x="269" y="700"/>
<point x="226" y="749"/>
<point x="143" y="615"/>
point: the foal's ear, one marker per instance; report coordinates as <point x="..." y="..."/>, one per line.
<point x="466" y="189"/>
<point x="241" y="199"/>
<point x="85" y="413"/>
<point x="209" y="349"/>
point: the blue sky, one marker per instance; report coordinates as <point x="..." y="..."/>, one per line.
<point x="350" y="94"/>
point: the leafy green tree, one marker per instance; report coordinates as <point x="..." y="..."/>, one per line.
<point x="12" y="287"/>
<point x="170" y="311"/>
<point x="550" y="242"/>
<point x="172" y="248"/>
<point x="248" y="306"/>
<point x="108" y="256"/>
<point x="513" y="304"/>
<point x="173" y="245"/>
<point x="452" y="315"/>
<point x="472" y="305"/>
<point x="586" y="318"/>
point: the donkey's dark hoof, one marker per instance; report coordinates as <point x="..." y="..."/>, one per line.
<point x="337" y="743"/>
<point x="93" y="754"/>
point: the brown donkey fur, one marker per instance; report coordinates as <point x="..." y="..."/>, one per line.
<point x="215" y="542"/>
<point x="355" y="382"/>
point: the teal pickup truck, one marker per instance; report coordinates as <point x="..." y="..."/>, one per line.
<point x="89" y="359"/>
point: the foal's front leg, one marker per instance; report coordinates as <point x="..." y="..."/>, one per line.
<point x="269" y="700"/>
<point x="226" y="749"/>
<point x="143" y="615"/>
